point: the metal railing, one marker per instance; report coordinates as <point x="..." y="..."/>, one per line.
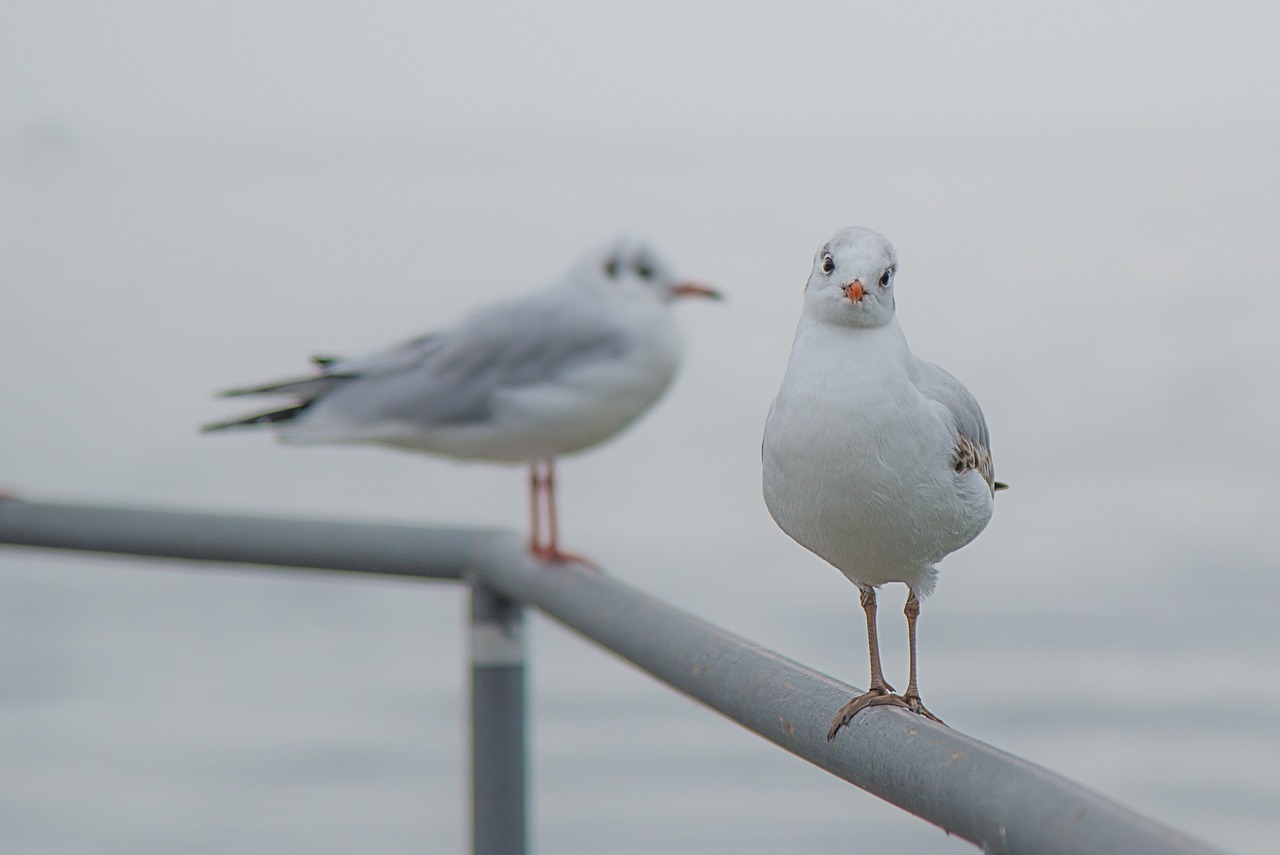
<point x="999" y="802"/>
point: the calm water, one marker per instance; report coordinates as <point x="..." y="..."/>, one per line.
<point x="1110" y="298"/>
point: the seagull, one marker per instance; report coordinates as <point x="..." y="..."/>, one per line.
<point x="525" y="380"/>
<point x="876" y="461"/>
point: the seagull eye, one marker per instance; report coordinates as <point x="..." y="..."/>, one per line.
<point x="828" y="263"/>
<point x="643" y="270"/>
<point x="886" y="277"/>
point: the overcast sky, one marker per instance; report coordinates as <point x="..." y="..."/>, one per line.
<point x="237" y="69"/>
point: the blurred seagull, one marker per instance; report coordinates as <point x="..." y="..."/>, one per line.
<point x="874" y="460"/>
<point x="521" y="381"/>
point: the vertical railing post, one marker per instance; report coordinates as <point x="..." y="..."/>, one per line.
<point x="497" y="724"/>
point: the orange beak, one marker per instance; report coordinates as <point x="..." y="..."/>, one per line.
<point x="693" y="289"/>
<point x="854" y="291"/>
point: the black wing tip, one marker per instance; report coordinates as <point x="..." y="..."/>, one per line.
<point x="270" y="417"/>
<point x="232" y="393"/>
<point x="998" y="486"/>
<point x="214" y="427"/>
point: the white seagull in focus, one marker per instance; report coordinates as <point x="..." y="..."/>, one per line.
<point x="874" y="460"/>
<point x="521" y="381"/>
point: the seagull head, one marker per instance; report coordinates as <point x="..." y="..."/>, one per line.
<point x="633" y="267"/>
<point x="852" y="279"/>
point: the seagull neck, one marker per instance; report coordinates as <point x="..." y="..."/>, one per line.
<point x="882" y="341"/>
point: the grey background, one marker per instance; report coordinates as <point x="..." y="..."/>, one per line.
<point x="194" y="196"/>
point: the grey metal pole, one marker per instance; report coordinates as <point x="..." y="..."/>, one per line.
<point x="397" y="550"/>
<point x="999" y="802"/>
<point x="497" y="724"/>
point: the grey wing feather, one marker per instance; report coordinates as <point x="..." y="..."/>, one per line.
<point x="304" y="388"/>
<point x="334" y="372"/>
<point x="973" y="449"/>
<point x="452" y="377"/>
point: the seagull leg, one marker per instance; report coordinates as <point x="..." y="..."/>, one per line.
<point x="533" y="508"/>
<point x="553" y="527"/>
<point x="878" y="683"/>
<point x="551" y="551"/>
<point x="912" y="695"/>
<point x="879" y="692"/>
<point x="535" y="502"/>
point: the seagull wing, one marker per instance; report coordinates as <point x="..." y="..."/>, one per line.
<point x="973" y="444"/>
<point x="452" y="377"/>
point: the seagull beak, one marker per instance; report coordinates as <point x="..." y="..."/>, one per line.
<point x="693" y="289"/>
<point x="854" y="291"/>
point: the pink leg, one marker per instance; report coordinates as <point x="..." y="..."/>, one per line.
<point x="550" y="550"/>
<point x="553" y="527"/>
<point x="535" y="501"/>
<point x="880" y="692"/>
<point x="912" y="695"/>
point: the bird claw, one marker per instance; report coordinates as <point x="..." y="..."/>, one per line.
<point x="548" y="555"/>
<point x="873" y="698"/>
<point x="914" y="704"/>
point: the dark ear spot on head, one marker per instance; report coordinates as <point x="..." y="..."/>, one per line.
<point x="611" y="268"/>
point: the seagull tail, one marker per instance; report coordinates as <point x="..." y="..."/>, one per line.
<point x="308" y="388"/>
<point x="270" y="417"/>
